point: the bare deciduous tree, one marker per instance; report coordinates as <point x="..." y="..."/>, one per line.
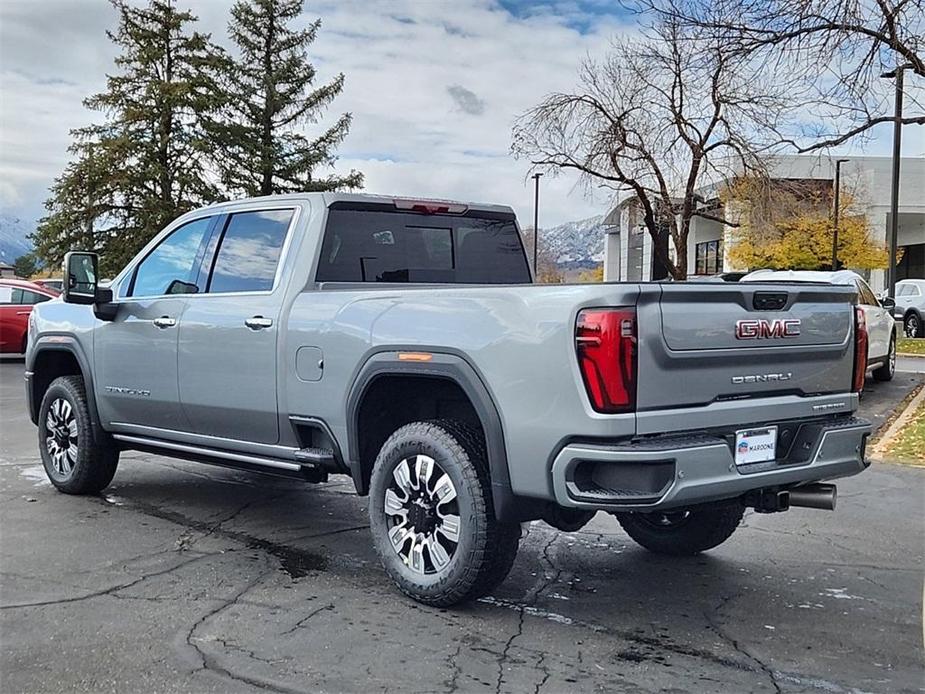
<point x="659" y="118"/>
<point x="834" y="50"/>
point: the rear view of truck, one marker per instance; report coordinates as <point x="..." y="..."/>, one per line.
<point x="743" y="397"/>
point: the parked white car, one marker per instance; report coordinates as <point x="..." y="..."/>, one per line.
<point x="881" y="327"/>
<point x="910" y="307"/>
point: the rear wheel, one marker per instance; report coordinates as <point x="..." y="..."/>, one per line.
<point x="432" y="518"/>
<point x="683" y="532"/>
<point x="75" y="462"/>
<point x="913" y="326"/>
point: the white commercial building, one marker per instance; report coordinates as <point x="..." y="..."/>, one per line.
<point x="628" y="249"/>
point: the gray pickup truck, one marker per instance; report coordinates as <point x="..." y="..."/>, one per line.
<point x="403" y="343"/>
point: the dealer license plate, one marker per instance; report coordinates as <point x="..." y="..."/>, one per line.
<point x="756" y="445"/>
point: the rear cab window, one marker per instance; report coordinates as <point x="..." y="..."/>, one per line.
<point x="372" y="242"/>
<point x="249" y="251"/>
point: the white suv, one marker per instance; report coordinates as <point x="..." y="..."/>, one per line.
<point x="910" y="307"/>
<point x="881" y="327"/>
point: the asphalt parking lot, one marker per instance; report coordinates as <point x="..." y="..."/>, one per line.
<point x="192" y="578"/>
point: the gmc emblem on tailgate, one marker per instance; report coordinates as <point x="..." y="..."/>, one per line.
<point x="760" y="328"/>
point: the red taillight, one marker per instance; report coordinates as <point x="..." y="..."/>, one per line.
<point x="860" y="349"/>
<point x="605" y="340"/>
<point x="430" y="206"/>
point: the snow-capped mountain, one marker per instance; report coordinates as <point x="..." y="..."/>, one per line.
<point x="13" y="238"/>
<point x="575" y="244"/>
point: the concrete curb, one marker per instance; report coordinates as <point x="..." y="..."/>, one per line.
<point x="884" y="441"/>
<point x="908" y="355"/>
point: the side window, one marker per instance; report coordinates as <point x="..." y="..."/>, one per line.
<point x="867" y="296"/>
<point x="32" y="298"/>
<point x="6" y="295"/>
<point x="249" y="251"/>
<point x="172" y="267"/>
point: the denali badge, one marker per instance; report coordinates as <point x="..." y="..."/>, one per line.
<point x="128" y="391"/>
<point x="762" y="378"/>
<point x="759" y="328"/>
<point x="829" y="406"/>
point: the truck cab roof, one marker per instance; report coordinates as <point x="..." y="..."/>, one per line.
<point x="327" y="199"/>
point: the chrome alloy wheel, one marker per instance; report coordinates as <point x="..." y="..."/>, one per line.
<point x="61" y="436"/>
<point x="423" y="514"/>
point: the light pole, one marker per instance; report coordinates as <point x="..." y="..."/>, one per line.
<point x="536" y="221"/>
<point x="896" y="74"/>
<point x="838" y="164"/>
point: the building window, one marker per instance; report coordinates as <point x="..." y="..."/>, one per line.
<point x="709" y="257"/>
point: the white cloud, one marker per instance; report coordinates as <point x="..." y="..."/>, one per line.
<point x="433" y="88"/>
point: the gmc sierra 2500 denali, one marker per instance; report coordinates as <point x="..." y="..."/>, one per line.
<point x="403" y="343"/>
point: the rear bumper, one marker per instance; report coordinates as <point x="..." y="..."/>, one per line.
<point x="668" y="472"/>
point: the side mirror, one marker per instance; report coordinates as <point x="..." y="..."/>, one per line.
<point x="80" y="277"/>
<point x="888" y="302"/>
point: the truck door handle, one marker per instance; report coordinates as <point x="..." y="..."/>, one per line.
<point x="23" y="313"/>
<point x="258" y="322"/>
<point x="164" y="322"/>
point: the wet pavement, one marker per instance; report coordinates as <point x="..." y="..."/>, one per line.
<point x="183" y="577"/>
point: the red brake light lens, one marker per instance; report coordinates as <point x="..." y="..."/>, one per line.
<point x="430" y="206"/>
<point x="605" y="340"/>
<point x="860" y="349"/>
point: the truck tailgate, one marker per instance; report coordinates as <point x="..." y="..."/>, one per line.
<point x="700" y="344"/>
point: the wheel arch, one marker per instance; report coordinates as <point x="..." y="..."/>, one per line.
<point x="437" y="373"/>
<point x="52" y="357"/>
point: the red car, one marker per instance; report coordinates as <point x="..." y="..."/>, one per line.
<point x="17" y="298"/>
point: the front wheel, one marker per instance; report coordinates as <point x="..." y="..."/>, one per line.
<point x="886" y="372"/>
<point x="683" y="532"/>
<point x="432" y="518"/>
<point x="75" y="462"/>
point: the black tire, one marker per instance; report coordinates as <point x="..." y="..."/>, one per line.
<point x="80" y="464"/>
<point x="486" y="548"/>
<point x="683" y="532"/>
<point x="913" y="325"/>
<point x="885" y="372"/>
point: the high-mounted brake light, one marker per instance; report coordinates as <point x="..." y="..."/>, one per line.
<point x="860" y="349"/>
<point x="605" y="340"/>
<point x="430" y="206"/>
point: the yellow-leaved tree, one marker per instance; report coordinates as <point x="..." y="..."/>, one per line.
<point x="788" y="226"/>
<point x="595" y="274"/>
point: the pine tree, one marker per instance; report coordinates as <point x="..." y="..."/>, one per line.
<point x="25" y="266"/>
<point x="269" y="94"/>
<point x="143" y="165"/>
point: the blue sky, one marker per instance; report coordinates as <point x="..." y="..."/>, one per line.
<point x="434" y="88"/>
